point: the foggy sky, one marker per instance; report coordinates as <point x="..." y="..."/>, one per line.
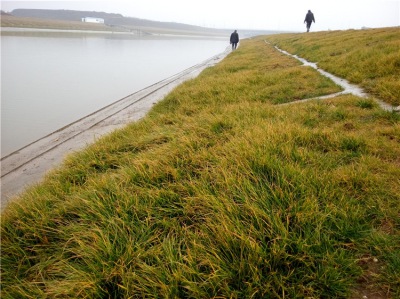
<point x="235" y="14"/>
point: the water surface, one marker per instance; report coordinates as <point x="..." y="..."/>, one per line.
<point x="49" y="82"/>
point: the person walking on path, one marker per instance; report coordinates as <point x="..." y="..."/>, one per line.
<point x="234" y="39"/>
<point x="309" y="19"/>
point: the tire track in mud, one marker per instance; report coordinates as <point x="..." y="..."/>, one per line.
<point x="30" y="163"/>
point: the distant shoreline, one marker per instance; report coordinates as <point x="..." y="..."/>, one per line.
<point x="24" y="25"/>
<point x="21" y="29"/>
<point x="144" y="28"/>
<point x="7" y="31"/>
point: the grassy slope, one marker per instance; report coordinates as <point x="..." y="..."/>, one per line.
<point x="220" y="192"/>
<point x="369" y="58"/>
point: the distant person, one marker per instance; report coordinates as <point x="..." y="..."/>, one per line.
<point x="309" y="19"/>
<point x="234" y="39"/>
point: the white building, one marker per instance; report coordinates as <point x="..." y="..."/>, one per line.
<point x="93" y="20"/>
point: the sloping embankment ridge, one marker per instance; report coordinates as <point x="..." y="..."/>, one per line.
<point x="221" y="191"/>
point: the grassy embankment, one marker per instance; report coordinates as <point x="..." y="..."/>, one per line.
<point x="222" y="192"/>
<point x="369" y="60"/>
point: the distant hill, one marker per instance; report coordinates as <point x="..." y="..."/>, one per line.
<point x="118" y="20"/>
<point x="110" y="19"/>
<point x="66" y="15"/>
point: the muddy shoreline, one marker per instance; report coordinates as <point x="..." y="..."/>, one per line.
<point x="30" y="164"/>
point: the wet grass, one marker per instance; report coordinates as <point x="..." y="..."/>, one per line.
<point x="220" y="192"/>
<point x="369" y="58"/>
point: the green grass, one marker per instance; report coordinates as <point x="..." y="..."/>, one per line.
<point x="220" y="192"/>
<point x="369" y="58"/>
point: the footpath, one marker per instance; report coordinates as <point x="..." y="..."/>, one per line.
<point x="348" y="88"/>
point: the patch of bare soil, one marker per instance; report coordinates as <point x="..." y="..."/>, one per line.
<point x="367" y="287"/>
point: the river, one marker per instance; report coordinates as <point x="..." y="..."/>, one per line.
<point x="48" y="82"/>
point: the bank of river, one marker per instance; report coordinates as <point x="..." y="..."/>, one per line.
<point x="28" y="165"/>
<point x="51" y="80"/>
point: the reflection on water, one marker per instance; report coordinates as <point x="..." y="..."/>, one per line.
<point x="48" y="82"/>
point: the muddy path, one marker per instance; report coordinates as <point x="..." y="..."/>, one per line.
<point x="348" y="88"/>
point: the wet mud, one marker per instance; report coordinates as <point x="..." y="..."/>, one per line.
<point x="29" y="165"/>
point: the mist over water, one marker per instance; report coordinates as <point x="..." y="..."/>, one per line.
<point x="49" y="82"/>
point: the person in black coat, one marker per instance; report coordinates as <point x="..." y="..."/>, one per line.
<point x="309" y="19"/>
<point x="234" y="39"/>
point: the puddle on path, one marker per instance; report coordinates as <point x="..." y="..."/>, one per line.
<point x="348" y="88"/>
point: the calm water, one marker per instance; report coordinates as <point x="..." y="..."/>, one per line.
<point x="49" y="82"/>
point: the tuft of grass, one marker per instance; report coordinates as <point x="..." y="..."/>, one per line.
<point x="220" y="192"/>
<point x="366" y="104"/>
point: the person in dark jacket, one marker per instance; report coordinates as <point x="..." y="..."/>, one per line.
<point x="234" y="39"/>
<point x="309" y="19"/>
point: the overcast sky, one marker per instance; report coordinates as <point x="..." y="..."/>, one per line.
<point x="247" y="14"/>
